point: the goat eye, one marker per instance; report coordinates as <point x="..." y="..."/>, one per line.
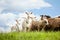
<point x="45" y="22"/>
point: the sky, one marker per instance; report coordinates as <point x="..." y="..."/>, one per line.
<point x="52" y="11"/>
<point x="11" y="9"/>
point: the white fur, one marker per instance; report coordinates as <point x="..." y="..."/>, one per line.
<point x="23" y="22"/>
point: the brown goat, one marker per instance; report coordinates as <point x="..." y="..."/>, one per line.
<point x="38" y="25"/>
<point x="34" y="25"/>
<point x="54" y="24"/>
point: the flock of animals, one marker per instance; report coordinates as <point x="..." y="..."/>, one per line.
<point x="30" y="23"/>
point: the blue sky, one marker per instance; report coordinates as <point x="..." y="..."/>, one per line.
<point x="11" y="9"/>
<point x="56" y="7"/>
<point x="52" y="11"/>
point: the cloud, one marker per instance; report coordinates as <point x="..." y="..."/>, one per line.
<point x="8" y="19"/>
<point x="22" y="5"/>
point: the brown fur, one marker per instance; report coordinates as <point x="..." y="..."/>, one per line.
<point x="54" y="23"/>
<point x="58" y="16"/>
<point x="38" y="25"/>
<point x="34" y="25"/>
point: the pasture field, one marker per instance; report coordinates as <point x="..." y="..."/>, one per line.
<point x="30" y="36"/>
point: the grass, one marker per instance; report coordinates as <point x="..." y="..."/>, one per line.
<point x="30" y="36"/>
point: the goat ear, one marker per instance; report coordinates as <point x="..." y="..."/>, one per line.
<point x="41" y="15"/>
<point x="31" y="12"/>
<point x="26" y="13"/>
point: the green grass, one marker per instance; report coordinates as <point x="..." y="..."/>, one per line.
<point x="30" y="36"/>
